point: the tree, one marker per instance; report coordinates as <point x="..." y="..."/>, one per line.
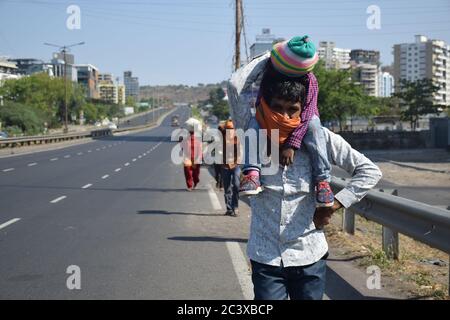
<point x="220" y="106"/>
<point x="415" y="99"/>
<point x="340" y="98"/>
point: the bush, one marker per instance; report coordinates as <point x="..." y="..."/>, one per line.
<point x="17" y="117"/>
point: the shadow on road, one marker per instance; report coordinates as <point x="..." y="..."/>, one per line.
<point x="210" y="239"/>
<point x="131" y="138"/>
<point x="164" y="212"/>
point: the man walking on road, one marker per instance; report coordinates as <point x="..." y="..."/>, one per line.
<point x="230" y="169"/>
<point x="287" y="245"/>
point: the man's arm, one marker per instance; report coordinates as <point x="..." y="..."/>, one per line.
<point x="365" y="174"/>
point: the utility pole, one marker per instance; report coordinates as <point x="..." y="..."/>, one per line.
<point x="238" y="31"/>
<point x="63" y="50"/>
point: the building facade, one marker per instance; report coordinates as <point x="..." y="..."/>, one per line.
<point x="334" y="58"/>
<point x="360" y="56"/>
<point x="108" y="90"/>
<point x="88" y="78"/>
<point x="263" y="43"/>
<point x="29" y="66"/>
<point x="59" y="66"/>
<point x="386" y="84"/>
<point x="367" y="75"/>
<point x="131" y="85"/>
<point x="424" y="58"/>
<point x="8" y="70"/>
<point x="121" y="96"/>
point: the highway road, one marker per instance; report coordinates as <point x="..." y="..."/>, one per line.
<point x="101" y="206"/>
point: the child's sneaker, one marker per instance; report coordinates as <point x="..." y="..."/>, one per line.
<point x="250" y="185"/>
<point x="324" y="195"/>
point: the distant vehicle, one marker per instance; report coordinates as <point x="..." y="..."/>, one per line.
<point x="3" y="135"/>
<point x="98" y="124"/>
<point x="175" y="121"/>
<point x="112" y="126"/>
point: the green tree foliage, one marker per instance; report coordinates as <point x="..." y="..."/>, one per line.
<point x="220" y="107"/>
<point x="42" y="98"/>
<point x="340" y="98"/>
<point x="19" y="118"/>
<point x="415" y="99"/>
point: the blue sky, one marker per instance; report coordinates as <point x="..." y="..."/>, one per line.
<point x="191" y="41"/>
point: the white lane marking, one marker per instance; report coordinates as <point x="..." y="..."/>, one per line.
<point x="241" y="268"/>
<point x="58" y="199"/>
<point x="80" y="153"/>
<point x="139" y="157"/>
<point x="214" y="199"/>
<point x="89" y="151"/>
<point x="134" y="160"/>
<point x="67" y="156"/>
<point x="118" y="169"/>
<point x="105" y="176"/>
<point x="7" y="223"/>
<point x="87" y="186"/>
<point x="104" y="148"/>
<point x="8" y="170"/>
<point x="32" y="164"/>
<point x="127" y="164"/>
<point x="54" y="159"/>
<point x="98" y="149"/>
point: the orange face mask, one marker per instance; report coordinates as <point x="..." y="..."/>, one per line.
<point x="271" y="120"/>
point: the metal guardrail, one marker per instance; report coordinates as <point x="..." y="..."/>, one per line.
<point x="34" y="140"/>
<point x="421" y="222"/>
<point x="417" y="220"/>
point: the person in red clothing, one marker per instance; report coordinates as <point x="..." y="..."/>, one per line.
<point x="192" y="150"/>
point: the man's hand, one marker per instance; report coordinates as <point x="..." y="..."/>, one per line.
<point x="322" y="216"/>
<point x="287" y="156"/>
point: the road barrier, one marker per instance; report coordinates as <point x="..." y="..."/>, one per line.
<point x="421" y="222"/>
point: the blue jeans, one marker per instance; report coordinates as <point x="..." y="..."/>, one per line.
<point x="315" y="143"/>
<point x="296" y="283"/>
<point x="231" y="183"/>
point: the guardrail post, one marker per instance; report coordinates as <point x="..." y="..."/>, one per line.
<point x="348" y="221"/>
<point x="389" y="236"/>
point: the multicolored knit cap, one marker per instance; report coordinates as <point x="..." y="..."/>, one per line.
<point x="295" y="57"/>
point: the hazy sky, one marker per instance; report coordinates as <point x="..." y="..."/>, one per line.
<point x="191" y="41"/>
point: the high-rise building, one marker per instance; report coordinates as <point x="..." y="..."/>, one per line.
<point x="263" y="43"/>
<point x="386" y="84"/>
<point x="88" y="78"/>
<point x="365" y="56"/>
<point x="131" y="85"/>
<point x="335" y="58"/>
<point x="424" y="58"/>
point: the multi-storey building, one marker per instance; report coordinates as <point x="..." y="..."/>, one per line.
<point x="335" y="58"/>
<point x="424" y="58"/>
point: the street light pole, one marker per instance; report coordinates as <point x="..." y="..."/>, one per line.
<point x="63" y="50"/>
